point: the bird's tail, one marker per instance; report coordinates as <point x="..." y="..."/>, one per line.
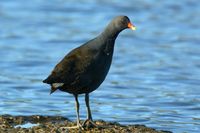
<point x="55" y="86"/>
<point x="53" y="89"/>
<point x="46" y="80"/>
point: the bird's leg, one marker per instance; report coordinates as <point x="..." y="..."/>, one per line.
<point x="87" y="101"/>
<point x="77" y="114"/>
<point x="89" y="114"/>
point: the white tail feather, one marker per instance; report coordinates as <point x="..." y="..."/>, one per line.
<point x="56" y="85"/>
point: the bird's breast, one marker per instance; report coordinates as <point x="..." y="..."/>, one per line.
<point x="100" y="68"/>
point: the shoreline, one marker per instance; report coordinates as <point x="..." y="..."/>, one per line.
<point x="54" y="124"/>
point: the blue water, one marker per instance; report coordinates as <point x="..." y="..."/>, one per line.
<point x="155" y="75"/>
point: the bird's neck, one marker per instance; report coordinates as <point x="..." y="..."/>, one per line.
<point x="110" y="33"/>
<point x="108" y="38"/>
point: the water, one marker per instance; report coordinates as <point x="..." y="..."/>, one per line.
<point x="26" y="125"/>
<point x="155" y="75"/>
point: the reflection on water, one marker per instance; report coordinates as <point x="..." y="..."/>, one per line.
<point x="155" y="76"/>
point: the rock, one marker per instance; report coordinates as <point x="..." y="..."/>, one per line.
<point x="54" y="124"/>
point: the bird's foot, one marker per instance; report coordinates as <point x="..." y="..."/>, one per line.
<point x="90" y="124"/>
<point x="78" y="126"/>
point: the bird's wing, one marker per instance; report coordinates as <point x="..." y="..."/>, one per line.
<point x="71" y="69"/>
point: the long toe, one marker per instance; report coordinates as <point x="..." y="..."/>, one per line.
<point x="91" y="124"/>
<point x="78" y="126"/>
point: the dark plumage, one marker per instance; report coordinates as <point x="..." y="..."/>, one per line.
<point x="84" y="68"/>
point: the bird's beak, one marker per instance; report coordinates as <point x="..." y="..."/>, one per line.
<point x="130" y="26"/>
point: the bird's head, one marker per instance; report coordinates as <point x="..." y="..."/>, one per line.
<point x="122" y="22"/>
<point x="117" y="25"/>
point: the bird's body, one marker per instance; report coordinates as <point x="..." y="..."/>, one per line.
<point x="84" y="69"/>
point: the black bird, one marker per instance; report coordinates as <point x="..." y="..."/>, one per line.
<point x="84" y="68"/>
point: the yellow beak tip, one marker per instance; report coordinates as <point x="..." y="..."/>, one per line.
<point x="133" y="28"/>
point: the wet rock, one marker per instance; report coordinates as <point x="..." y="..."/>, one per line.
<point x="54" y="124"/>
